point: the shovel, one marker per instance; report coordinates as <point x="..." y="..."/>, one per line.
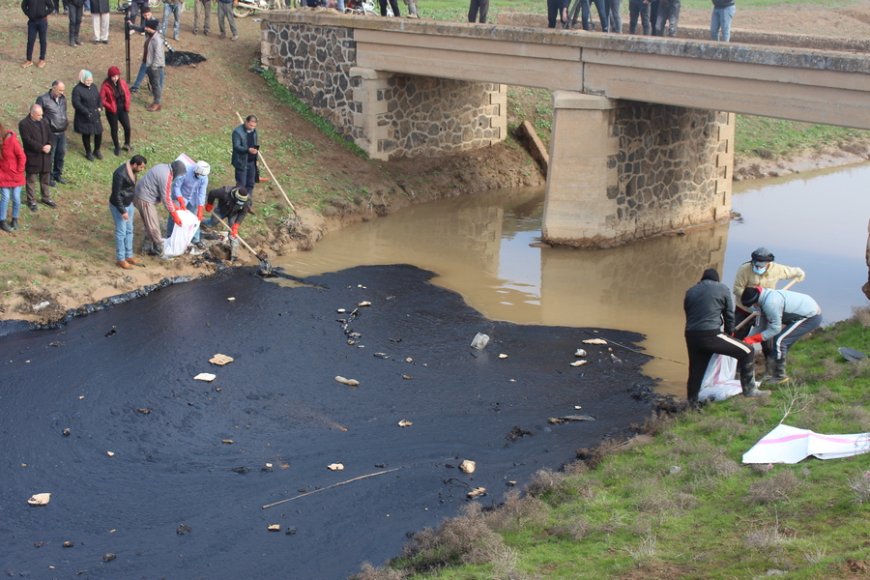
<point x="265" y="267"/>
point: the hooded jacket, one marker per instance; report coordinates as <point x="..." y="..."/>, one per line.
<point x="12" y="161"/>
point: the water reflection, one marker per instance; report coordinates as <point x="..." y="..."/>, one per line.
<point x="481" y="248"/>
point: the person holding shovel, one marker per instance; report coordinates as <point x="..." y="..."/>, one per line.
<point x="233" y="204"/>
<point x="762" y="271"/>
<point x="246" y="147"/>
<point x="709" y="307"/>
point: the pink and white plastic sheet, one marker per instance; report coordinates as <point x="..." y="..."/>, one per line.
<point x="787" y="444"/>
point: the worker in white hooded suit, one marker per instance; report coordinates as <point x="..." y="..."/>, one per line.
<point x="190" y="190"/>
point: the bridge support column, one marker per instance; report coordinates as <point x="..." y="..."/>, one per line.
<point x="622" y="170"/>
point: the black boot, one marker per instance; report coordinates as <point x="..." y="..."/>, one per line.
<point x="4" y="226"/>
<point x="747" y="378"/>
<point x="14" y="223"/>
<point x="72" y="39"/>
<point x="779" y="377"/>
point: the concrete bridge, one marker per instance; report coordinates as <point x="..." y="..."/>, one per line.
<point x="642" y="139"/>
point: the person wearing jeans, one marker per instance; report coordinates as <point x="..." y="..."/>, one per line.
<point x="225" y="12"/>
<point x="172" y="8"/>
<point x="121" y="207"/>
<point x="638" y="8"/>
<point x="720" y="19"/>
<point x="12" y="163"/>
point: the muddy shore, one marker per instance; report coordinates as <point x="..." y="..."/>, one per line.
<point x="182" y="493"/>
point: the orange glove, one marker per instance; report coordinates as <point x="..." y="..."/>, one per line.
<point x="234" y="232"/>
<point x="199" y="213"/>
<point x="181" y="203"/>
<point x="209" y="207"/>
<point x="175" y="218"/>
<point x="753" y="339"/>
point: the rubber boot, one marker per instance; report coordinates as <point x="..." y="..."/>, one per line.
<point x="4" y="226"/>
<point x="778" y="376"/>
<point x="14" y="223"/>
<point x="747" y="379"/>
<point x="72" y="39"/>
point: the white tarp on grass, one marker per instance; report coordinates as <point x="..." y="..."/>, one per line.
<point x="790" y="445"/>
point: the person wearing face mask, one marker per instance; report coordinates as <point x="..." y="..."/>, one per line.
<point x="762" y="271"/>
<point x="190" y="191"/>
<point x="233" y="204"/>
<point x="785" y="317"/>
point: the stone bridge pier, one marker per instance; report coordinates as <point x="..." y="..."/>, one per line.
<point x="624" y="170"/>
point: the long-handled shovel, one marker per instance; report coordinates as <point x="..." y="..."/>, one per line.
<point x="266" y="165"/>
<point x="265" y="267"/>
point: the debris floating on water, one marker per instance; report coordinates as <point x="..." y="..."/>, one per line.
<point x="335" y="467"/>
<point x="480" y="341"/>
<point x="66" y="432"/>
<point x="467" y="466"/>
<point x="569" y="419"/>
<point x="227" y="441"/>
<point x="221" y="360"/>
<point x="346" y="381"/>
<point x="580" y="353"/>
<point x="364" y="303"/>
<point x="274" y="527"/>
<point x="476" y="493"/>
<point x="594" y="341"/>
<point x="207" y="377"/>
<point x="405" y="423"/>
<point x="502" y="355"/>
<point x="341" y="310"/>
<point x="110" y="453"/>
<point x="39" y="499"/>
<point x="579" y="363"/>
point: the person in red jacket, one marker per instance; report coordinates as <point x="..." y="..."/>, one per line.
<point x="12" y="160"/>
<point x="115" y="96"/>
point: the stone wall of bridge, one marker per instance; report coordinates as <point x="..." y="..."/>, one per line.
<point x="388" y="115"/>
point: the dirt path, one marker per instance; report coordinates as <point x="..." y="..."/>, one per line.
<point x="60" y="259"/>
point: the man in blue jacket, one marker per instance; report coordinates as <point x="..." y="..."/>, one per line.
<point x="785" y="316"/>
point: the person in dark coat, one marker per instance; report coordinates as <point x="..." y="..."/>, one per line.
<point x="37" y="139"/>
<point x="37" y="12"/>
<point x="115" y="98"/>
<point x="75" y="10"/>
<point x="233" y="204"/>
<point x="88" y="121"/>
<point x="121" y="207"/>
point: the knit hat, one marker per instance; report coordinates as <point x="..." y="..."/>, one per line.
<point x="751" y="295"/>
<point x="113" y="70"/>
<point x="710" y="274"/>
<point x="178" y="168"/>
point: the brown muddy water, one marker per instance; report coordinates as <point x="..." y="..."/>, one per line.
<point x="482" y="248"/>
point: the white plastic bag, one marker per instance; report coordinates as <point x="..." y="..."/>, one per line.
<point x="719" y="383"/>
<point x="177" y="243"/>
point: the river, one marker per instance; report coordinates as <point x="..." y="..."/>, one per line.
<point x="483" y="248"/>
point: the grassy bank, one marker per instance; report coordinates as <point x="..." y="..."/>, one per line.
<point x="679" y="503"/>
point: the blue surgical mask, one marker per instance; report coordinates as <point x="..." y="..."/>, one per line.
<point x="759" y="267"/>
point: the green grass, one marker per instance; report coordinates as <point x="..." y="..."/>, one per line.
<point x="682" y="505"/>
<point x="765" y="137"/>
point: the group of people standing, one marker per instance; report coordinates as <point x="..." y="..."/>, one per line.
<point x="657" y="17"/>
<point x="778" y="317"/>
<point x="181" y="186"/>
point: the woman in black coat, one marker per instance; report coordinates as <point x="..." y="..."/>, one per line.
<point x="87" y="122"/>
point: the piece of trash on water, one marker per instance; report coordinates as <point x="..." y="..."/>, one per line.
<point x="502" y="355"/>
<point x="364" y="303"/>
<point x="341" y="310"/>
<point x="476" y="493"/>
<point x="335" y="467"/>
<point x="68" y="544"/>
<point x="221" y="360"/>
<point x="577" y="407"/>
<point x="110" y="453"/>
<point x="579" y="353"/>
<point x="615" y="358"/>
<point x="409" y="360"/>
<point x="39" y="499"/>
<point x="382" y="355"/>
<point x="346" y="381"/>
<point x="109" y="556"/>
<point x="66" y="431"/>
<point x="267" y="466"/>
<point x="579" y="363"/>
<point x="361" y="286"/>
<point x="407" y="377"/>
<point x="274" y="527"/>
<point x="81" y="397"/>
<point x="511" y="482"/>
<point x="227" y="441"/>
<point x="183" y="529"/>
<point x="207" y="377"/>
<point x="143" y="410"/>
<point x="569" y="419"/>
<point x="594" y="341"/>
<point x="405" y="423"/>
<point x="480" y="341"/>
<point x="231" y="299"/>
<point x="467" y="466"/>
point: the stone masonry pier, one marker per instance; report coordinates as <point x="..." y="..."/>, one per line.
<point x="639" y="147"/>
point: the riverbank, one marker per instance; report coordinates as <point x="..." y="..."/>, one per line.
<point x="63" y="258"/>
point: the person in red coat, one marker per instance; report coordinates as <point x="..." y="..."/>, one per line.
<point x="12" y="160"/>
<point x="115" y="96"/>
